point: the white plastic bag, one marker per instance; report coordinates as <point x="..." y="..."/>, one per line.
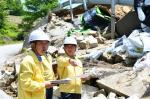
<point x="142" y="62"/>
<point x="135" y="39"/>
<point x="131" y="49"/>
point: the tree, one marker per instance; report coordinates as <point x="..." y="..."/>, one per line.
<point x="15" y="7"/>
<point x="36" y="9"/>
<point x="2" y="13"/>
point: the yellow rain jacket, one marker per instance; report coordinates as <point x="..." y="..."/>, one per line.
<point x="66" y="70"/>
<point x="32" y="75"/>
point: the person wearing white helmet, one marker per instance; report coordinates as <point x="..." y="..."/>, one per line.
<point x="69" y="66"/>
<point x="36" y="69"/>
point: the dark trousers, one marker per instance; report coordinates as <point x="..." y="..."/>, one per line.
<point x="70" y="96"/>
<point x="49" y="93"/>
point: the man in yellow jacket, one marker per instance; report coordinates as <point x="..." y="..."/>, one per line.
<point x="69" y="66"/>
<point x="36" y="69"/>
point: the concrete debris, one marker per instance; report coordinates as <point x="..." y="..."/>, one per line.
<point x="88" y="42"/>
<point x="122" y="10"/>
<point x="102" y="91"/>
<point x="100" y="96"/>
<point x="111" y="96"/>
<point x="88" y="91"/>
<point x="128" y="83"/>
<point x="3" y="95"/>
<point x="112" y="81"/>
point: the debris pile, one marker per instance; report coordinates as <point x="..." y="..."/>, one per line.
<point x="105" y="61"/>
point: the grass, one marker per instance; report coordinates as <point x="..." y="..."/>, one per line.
<point x="10" y="42"/>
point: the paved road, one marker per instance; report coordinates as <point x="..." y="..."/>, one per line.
<point x="7" y="51"/>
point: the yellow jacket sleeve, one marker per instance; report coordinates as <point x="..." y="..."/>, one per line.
<point x="26" y="81"/>
<point x="63" y="61"/>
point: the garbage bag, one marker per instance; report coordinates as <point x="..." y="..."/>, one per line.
<point x="142" y="62"/>
<point x="132" y="50"/>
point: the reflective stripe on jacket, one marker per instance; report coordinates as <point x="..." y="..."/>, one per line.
<point x="66" y="70"/>
<point x="32" y="74"/>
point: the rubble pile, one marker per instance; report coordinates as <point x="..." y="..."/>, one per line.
<point x="105" y="61"/>
<point x="122" y="10"/>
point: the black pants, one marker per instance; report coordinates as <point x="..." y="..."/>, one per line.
<point x="70" y="95"/>
<point x="49" y="93"/>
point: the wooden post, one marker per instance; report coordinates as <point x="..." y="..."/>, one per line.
<point x="112" y="19"/>
<point x="71" y="10"/>
<point x="85" y="5"/>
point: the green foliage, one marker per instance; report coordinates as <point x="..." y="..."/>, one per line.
<point x="15" y="7"/>
<point x="2" y="13"/>
<point x="11" y="30"/>
<point x="36" y="9"/>
<point x="8" y="30"/>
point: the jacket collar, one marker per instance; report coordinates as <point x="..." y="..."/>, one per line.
<point x="35" y="57"/>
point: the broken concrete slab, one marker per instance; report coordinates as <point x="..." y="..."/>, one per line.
<point x="88" y="91"/>
<point x="128" y="83"/>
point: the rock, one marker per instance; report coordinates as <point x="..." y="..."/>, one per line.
<point x="126" y="9"/>
<point x="83" y="45"/>
<point x="111" y="95"/>
<point x="93" y="33"/>
<point x="122" y="10"/>
<point x="2" y="83"/>
<point x="79" y="39"/>
<point x="100" y="96"/>
<point x="92" y="42"/>
<point x="61" y="51"/>
<point x="102" y="91"/>
<point x="107" y="57"/>
<point x="128" y="83"/>
<point x="17" y="67"/>
<point x="121" y="97"/>
<point x="100" y="39"/>
<point x="133" y="97"/>
<point x="13" y="87"/>
<point x="56" y="92"/>
<point x="88" y="91"/>
<point x="3" y="95"/>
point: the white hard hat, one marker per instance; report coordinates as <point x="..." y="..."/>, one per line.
<point x="38" y="35"/>
<point x="70" y="40"/>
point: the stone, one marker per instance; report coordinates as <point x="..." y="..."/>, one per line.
<point x="111" y="95"/>
<point x="100" y="40"/>
<point x="92" y="42"/>
<point x="3" y="95"/>
<point x="102" y="91"/>
<point x="121" y="97"/>
<point x="84" y="44"/>
<point x="100" y="96"/>
<point x="88" y="91"/>
<point x="56" y="92"/>
<point x="128" y="83"/>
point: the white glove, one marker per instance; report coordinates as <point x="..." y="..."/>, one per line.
<point x="141" y="14"/>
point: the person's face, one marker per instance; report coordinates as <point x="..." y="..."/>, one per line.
<point x="41" y="47"/>
<point x="70" y="49"/>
